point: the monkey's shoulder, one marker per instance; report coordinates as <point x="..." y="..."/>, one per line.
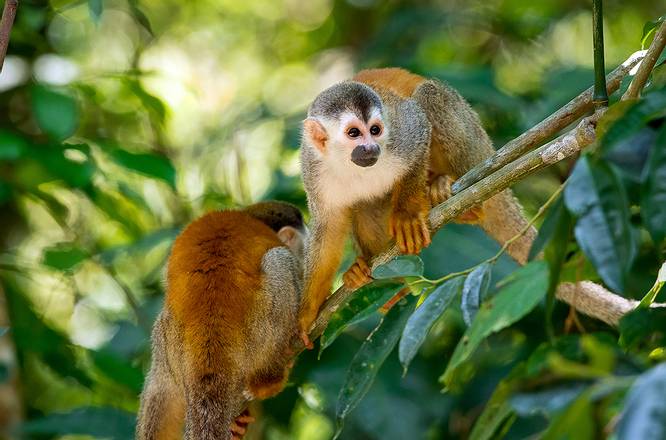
<point x="398" y="81"/>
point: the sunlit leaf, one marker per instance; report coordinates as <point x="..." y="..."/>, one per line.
<point x="64" y="256"/>
<point x="56" y="113"/>
<point x="653" y="191"/>
<point x="474" y="291"/>
<point x="400" y="266"/>
<point x="370" y="357"/>
<point x="100" y="422"/>
<point x="363" y="303"/>
<point x="514" y="300"/>
<point x="644" y="414"/>
<point x="422" y="320"/>
<point x="151" y="165"/>
<point x="596" y="197"/>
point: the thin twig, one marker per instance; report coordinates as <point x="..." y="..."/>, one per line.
<point x="644" y="70"/>
<point x="546" y="129"/>
<point x="6" y="23"/>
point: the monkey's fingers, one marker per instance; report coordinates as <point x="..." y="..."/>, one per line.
<point x="357" y="275"/>
<point x="439" y="189"/>
<point x="409" y="237"/>
<point x="306" y="340"/>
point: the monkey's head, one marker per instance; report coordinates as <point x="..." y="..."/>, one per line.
<point x="345" y="123"/>
<point x="287" y="222"/>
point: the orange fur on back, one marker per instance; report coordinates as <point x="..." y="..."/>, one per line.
<point x="213" y="275"/>
<point x="399" y="81"/>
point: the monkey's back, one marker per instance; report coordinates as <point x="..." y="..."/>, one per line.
<point x="214" y="279"/>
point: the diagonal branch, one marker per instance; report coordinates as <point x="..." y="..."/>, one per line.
<point x="562" y="118"/>
<point x="6" y="23"/>
<point x="651" y="57"/>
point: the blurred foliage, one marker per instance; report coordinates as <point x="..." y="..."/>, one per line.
<point x="122" y="120"/>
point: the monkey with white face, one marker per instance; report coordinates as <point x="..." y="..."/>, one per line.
<point x="377" y="153"/>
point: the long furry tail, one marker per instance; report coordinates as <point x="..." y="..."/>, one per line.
<point x="503" y="219"/>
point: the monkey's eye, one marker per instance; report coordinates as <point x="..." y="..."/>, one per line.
<point x="375" y="130"/>
<point x="353" y="132"/>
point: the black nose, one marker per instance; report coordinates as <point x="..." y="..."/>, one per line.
<point x="365" y="155"/>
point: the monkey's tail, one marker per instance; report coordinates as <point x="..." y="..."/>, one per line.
<point x="503" y="219"/>
<point x="212" y="408"/>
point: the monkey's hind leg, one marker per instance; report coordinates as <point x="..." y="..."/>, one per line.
<point x="439" y="190"/>
<point x="162" y="408"/>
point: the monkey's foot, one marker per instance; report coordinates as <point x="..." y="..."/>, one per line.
<point x="439" y="190"/>
<point x="411" y="232"/>
<point x="305" y="321"/>
<point x="357" y="275"/>
<point x="239" y="426"/>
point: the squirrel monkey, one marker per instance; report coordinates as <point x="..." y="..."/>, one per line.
<point x="377" y="153"/>
<point x="234" y="282"/>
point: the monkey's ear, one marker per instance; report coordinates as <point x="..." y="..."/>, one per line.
<point x="315" y="133"/>
<point x="289" y="236"/>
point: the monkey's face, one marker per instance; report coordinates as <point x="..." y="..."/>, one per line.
<point x="361" y="140"/>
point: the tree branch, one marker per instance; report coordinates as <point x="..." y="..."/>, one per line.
<point x="6" y="23"/>
<point x="567" y="115"/>
<point x="651" y="57"/>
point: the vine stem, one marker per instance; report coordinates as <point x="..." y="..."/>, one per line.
<point x="646" y="66"/>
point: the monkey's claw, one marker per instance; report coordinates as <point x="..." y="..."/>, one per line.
<point x="411" y="233"/>
<point x="357" y="275"/>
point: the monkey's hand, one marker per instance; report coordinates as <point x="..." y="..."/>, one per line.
<point x="439" y="190"/>
<point x="409" y="227"/>
<point x="239" y="426"/>
<point x="357" y="275"/>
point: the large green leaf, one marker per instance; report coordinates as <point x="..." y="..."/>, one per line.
<point x="100" y="422"/>
<point x="152" y="165"/>
<point x="56" y="113"/>
<point x="474" y="291"/>
<point x="526" y="288"/>
<point x="643" y="326"/>
<point x="644" y="414"/>
<point x="77" y="172"/>
<point x="653" y="191"/>
<point x="400" y="266"/>
<point x="596" y="197"/>
<point x="422" y="320"/>
<point x="548" y="227"/>
<point x="370" y="357"/>
<point x="64" y="256"/>
<point x="364" y="302"/>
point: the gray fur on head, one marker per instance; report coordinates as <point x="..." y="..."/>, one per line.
<point x="348" y="96"/>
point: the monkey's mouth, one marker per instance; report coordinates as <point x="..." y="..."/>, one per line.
<point x="365" y="155"/>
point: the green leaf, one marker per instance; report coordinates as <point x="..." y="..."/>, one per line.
<point x="644" y="414"/>
<point x="422" y="320"/>
<point x="5" y="192"/>
<point x="12" y="146"/>
<point x="370" y="357"/>
<point x="515" y="299"/>
<point x="649" y="29"/>
<point x="153" y="104"/>
<point x="576" y="422"/>
<point x="56" y="114"/>
<point x="595" y="195"/>
<point x="400" y="266"/>
<point x="96" y="7"/>
<point x="653" y="190"/>
<point x="364" y="302"/>
<point x="64" y="256"/>
<point x="474" y="291"/>
<point x="118" y="369"/>
<point x="4" y="373"/>
<point x="152" y="165"/>
<point x="77" y="172"/>
<point x="546" y="401"/>
<point x="100" y="422"/>
<point x="643" y="326"/>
